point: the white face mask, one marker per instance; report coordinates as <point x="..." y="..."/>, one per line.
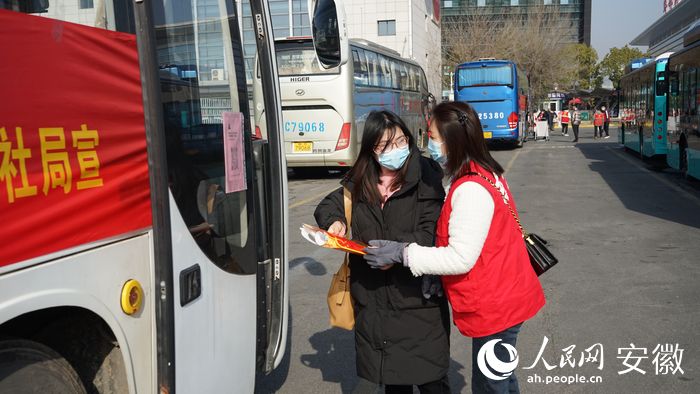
<point x="393" y="159"/>
<point x="435" y="149"/>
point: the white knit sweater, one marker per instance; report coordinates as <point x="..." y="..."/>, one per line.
<point x="470" y="220"/>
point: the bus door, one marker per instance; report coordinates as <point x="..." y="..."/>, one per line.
<point x="227" y="199"/>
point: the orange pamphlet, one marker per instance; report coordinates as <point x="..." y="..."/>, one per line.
<point x="320" y="237"/>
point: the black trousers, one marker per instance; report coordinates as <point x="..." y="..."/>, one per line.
<point x="598" y="131"/>
<point x="606" y="127"/>
<point x="575" y="128"/>
<point x="441" y="386"/>
<point x="565" y="128"/>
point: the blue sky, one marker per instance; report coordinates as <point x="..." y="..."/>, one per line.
<point x="615" y="23"/>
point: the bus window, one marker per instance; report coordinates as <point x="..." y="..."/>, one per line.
<point x="395" y="74"/>
<point x="413" y="78"/>
<point x="199" y="99"/>
<point x="423" y="81"/>
<point x="692" y="92"/>
<point x="485" y="76"/>
<point x="360" y="66"/>
<point x="299" y="58"/>
<point x="385" y="73"/>
<point x="403" y="77"/>
<point x="374" y="71"/>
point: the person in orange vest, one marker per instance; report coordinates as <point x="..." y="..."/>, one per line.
<point x="598" y="120"/>
<point x="565" y="122"/>
<point x="606" y="121"/>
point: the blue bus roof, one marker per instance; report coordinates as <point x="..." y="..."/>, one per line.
<point x="485" y="63"/>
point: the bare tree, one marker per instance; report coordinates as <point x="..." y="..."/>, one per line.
<point x="535" y="40"/>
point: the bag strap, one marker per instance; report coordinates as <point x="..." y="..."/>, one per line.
<point x="347" y="201"/>
<point x="512" y="212"/>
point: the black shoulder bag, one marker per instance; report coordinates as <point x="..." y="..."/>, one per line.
<point x="540" y="257"/>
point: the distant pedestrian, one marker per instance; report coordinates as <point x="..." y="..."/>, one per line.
<point x="550" y="119"/>
<point x="575" y="122"/>
<point x="598" y="120"/>
<point x="606" y="122"/>
<point x="565" y="122"/>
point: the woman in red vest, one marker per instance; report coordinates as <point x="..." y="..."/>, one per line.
<point x="565" y="122"/>
<point x="598" y="120"/>
<point x="480" y="251"/>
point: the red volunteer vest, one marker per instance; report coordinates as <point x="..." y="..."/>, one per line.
<point x="565" y="116"/>
<point x="502" y="289"/>
<point x="598" y="119"/>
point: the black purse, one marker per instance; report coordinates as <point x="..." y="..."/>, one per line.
<point x="541" y="258"/>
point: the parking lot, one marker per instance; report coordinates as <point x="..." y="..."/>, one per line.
<point x="627" y="240"/>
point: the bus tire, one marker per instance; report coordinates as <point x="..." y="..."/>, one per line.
<point x="520" y="142"/>
<point x="310" y="172"/>
<point x="90" y="347"/>
<point x="30" y="367"/>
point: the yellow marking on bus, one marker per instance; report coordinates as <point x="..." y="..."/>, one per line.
<point x="312" y="198"/>
<point x="658" y="177"/>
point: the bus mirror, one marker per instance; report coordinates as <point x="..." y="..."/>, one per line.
<point x="330" y="35"/>
<point x="31" y="6"/>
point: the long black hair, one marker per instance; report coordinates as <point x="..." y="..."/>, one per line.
<point x="365" y="173"/>
<point x="463" y="139"/>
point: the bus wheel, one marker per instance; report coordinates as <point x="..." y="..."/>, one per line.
<point x="310" y="172"/>
<point x="30" y="367"/>
<point x="520" y="142"/>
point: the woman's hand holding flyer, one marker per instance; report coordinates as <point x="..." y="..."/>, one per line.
<point x="323" y="238"/>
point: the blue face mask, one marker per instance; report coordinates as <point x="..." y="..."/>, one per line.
<point x="435" y="149"/>
<point x="394" y="159"/>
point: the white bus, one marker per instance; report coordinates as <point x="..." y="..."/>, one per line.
<point x="143" y="224"/>
<point x="324" y="109"/>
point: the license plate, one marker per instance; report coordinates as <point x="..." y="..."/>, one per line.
<point x="302" y="147"/>
<point x="488" y="134"/>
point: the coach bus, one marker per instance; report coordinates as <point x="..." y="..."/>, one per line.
<point x="644" y="105"/>
<point x="324" y="110"/>
<point x="143" y="225"/>
<point x="492" y="88"/>
<point x="684" y="97"/>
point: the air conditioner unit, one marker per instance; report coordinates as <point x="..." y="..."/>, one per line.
<point x="217" y="74"/>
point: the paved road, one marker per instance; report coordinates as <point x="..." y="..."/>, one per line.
<point x="627" y="240"/>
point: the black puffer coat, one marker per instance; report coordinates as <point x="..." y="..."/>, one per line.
<point x="400" y="337"/>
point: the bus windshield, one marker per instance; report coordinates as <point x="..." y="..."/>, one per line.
<point x="485" y="76"/>
<point x="299" y="58"/>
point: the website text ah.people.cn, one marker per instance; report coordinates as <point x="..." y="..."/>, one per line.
<point x="572" y="366"/>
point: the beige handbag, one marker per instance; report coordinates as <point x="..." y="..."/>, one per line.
<point x="339" y="301"/>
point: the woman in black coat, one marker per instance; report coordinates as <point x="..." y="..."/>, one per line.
<point x="401" y="329"/>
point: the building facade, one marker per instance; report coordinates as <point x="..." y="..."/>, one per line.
<point x="410" y="27"/>
<point x="578" y="12"/>
<point x="666" y="34"/>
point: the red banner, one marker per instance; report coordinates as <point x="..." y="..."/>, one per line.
<point x="73" y="164"/>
